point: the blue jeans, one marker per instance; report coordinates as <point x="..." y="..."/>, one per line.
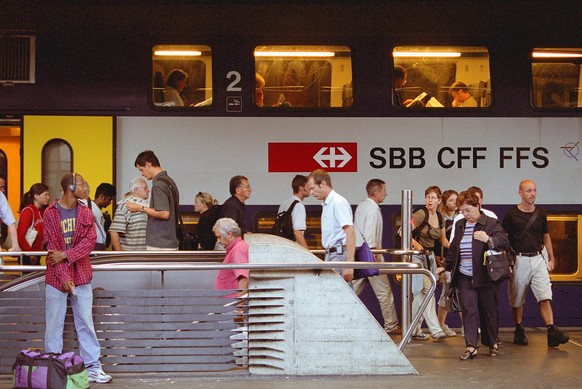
<point x="55" y="310"/>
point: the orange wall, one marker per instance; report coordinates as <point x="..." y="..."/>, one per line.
<point x="10" y="144"/>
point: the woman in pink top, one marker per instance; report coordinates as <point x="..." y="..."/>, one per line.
<point x="228" y="233"/>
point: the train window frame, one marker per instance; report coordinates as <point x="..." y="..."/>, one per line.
<point x="550" y="70"/>
<point x="298" y="63"/>
<point x="474" y="76"/>
<point x="553" y="222"/>
<point x="197" y="59"/>
<point x="51" y="176"/>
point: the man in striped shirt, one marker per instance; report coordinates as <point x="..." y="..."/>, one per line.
<point x="128" y="230"/>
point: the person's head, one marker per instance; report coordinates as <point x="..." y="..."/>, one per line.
<point x="459" y="91"/>
<point x="138" y="187"/>
<point x="86" y="190"/>
<point x="2" y="184"/>
<point x="203" y="201"/>
<point x="449" y="202"/>
<point x="469" y="206"/>
<point x="478" y="192"/>
<point x="259" y="93"/>
<point x="177" y="79"/>
<point x="38" y="194"/>
<point x="299" y="186"/>
<point x="399" y="77"/>
<point x="148" y="164"/>
<point x="73" y="184"/>
<point x="528" y="192"/>
<point x="319" y="184"/>
<point x="432" y="197"/>
<point x="376" y="189"/>
<point x="104" y="195"/>
<point x="226" y="230"/>
<point x="239" y="186"/>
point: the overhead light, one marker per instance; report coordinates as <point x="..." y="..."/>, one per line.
<point x="424" y="54"/>
<point x="177" y="53"/>
<point x="294" y="54"/>
<point x="555" y="54"/>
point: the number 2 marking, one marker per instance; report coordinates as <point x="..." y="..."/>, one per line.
<point x="232" y="87"/>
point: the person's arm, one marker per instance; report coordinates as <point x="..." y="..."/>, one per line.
<point x="550" y="250"/>
<point x="14" y="235"/>
<point x="299" y="238"/>
<point x="151" y="212"/>
<point x="115" y="241"/>
<point x="243" y="285"/>
<point x="24" y="222"/>
<point x="350" y="251"/>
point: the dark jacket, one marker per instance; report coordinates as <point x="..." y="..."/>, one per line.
<point x="499" y="242"/>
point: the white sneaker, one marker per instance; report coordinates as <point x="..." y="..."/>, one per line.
<point x="98" y="375"/>
<point x="439" y="335"/>
<point x="421" y="336"/>
<point x="448" y="331"/>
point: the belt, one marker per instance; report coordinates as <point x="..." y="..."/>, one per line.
<point x="532" y="254"/>
<point x="333" y="249"/>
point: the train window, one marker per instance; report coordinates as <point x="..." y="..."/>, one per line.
<point x="181" y="76"/>
<point x="439" y="76"/>
<point x="303" y="76"/>
<point x="565" y="231"/>
<point x="557" y="78"/>
<point x="57" y="160"/>
<point x="3" y="166"/>
<point x="263" y="221"/>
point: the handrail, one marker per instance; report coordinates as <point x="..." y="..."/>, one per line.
<point x="164" y="265"/>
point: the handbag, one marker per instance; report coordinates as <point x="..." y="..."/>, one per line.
<point x="34" y="369"/>
<point x="364" y="254"/>
<point x="498" y="265"/>
<point x="453" y="300"/>
<point x="31" y="233"/>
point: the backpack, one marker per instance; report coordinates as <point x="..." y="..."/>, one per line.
<point x="34" y="369"/>
<point x="283" y="225"/>
<point x="415" y="233"/>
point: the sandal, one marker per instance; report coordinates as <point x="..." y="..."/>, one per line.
<point x="470" y="353"/>
<point x="494" y="351"/>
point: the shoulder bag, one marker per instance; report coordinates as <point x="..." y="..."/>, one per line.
<point x="364" y="254"/>
<point x="498" y="265"/>
<point x="31" y="233"/>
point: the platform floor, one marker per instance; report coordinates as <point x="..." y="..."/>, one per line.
<point x="532" y="366"/>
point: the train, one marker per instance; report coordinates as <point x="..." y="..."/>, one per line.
<point x="275" y="89"/>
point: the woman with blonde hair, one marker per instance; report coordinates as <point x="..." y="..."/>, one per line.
<point x="209" y="211"/>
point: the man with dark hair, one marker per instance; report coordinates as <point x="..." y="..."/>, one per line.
<point x="462" y="98"/>
<point x="337" y="225"/>
<point x="164" y="200"/>
<point x="298" y="214"/>
<point x="234" y="206"/>
<point x="104" y="195"/>
<point x="69" y="235"/>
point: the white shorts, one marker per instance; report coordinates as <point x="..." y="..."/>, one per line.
<point x="533" y="272"/>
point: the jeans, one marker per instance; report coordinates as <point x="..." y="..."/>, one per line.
<point x="55" y="310"/>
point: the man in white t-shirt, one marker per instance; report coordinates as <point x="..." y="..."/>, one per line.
<point x="337" y="226"/>
<point x="298" y="214"/>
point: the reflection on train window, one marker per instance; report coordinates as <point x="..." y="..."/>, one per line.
<point x="439" y="76"/>
<point x="564" y="231"/>
<point x="263" y="221"/>
<point x="557" y="78"/>
<point x="57" y="160"/>
<point x="303" y="76"/>
<point x="181" y="76"/>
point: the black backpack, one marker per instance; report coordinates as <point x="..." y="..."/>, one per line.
<point x="283" y="225"/>
<point x="415" y="233"/>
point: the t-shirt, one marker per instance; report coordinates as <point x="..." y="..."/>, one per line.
<point x="131" y="227"/>
<point x="532" y="240"/>
<point x="68" y="220"/>
<point x="236" y="252"/>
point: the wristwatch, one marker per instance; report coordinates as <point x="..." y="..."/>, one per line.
<point x="143" y="208"/>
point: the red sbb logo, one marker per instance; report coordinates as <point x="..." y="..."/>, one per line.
<point x="306" y="157"/>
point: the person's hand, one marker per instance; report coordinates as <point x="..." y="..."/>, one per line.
<point x="481" y="236"/>
<point x="55" y="257"/>
<point x="69" y="286"/>
<point x="133" y="207"/>
<point x="551" y="264"/>
<point x="440" y="270"/>
<point x="348" y="274"/>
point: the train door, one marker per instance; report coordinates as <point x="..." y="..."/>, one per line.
<point x="55" y="145"/>
<point x="10" y="163"/>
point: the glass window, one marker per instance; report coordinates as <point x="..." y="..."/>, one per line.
<point x="181" y="76"/>
<point x="57" y="160"/>
<point x="303" y="76"/>
<point x="564" y="231"/>
<point x="557" y="78"/>
<point x="439" y="76"/>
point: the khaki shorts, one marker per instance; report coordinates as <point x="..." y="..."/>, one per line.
<point x="533" y="272"/>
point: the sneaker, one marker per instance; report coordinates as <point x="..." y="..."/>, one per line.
<point x="448" y="331"/>
<point x="421" y="336"/>
<point x="98" y="376"/>
<point x="557" y="337"/>
<point x="520" y="338"/>
<point x="439" y="335"/>
<point x="394" y="331"/>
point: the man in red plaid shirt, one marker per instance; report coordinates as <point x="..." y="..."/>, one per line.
<point x="69" y="235"/>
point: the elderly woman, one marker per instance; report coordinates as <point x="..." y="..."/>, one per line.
<point x="474" y="235"/>
<point x="237" y="251"/>
<point x="209" y="212"/>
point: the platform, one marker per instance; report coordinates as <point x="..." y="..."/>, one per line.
<point x="533" y="366"/>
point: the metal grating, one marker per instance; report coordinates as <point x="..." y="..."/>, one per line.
<point x="17" y="59"/>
